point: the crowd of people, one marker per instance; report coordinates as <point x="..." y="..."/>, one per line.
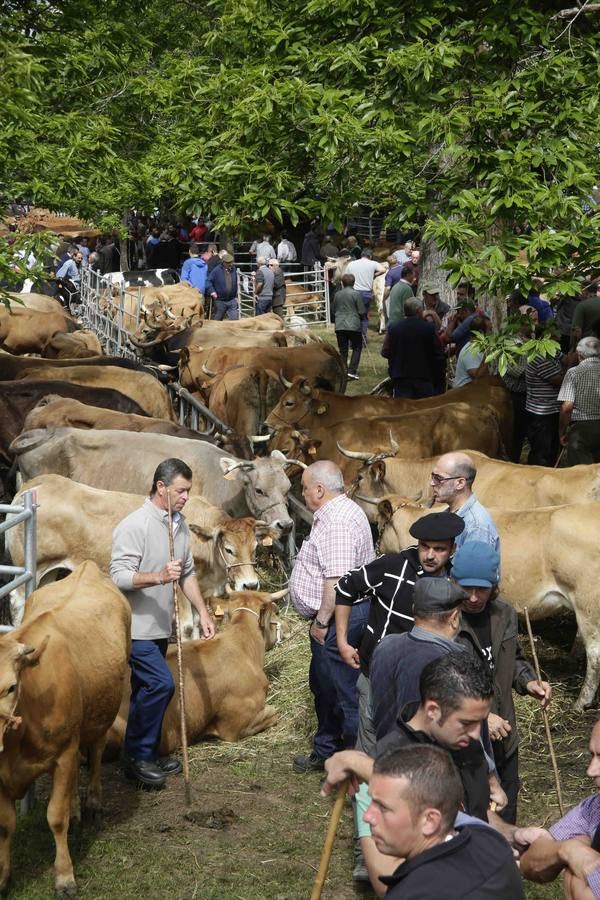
<point x="414" y="660"/>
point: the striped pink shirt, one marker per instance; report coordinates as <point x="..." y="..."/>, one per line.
<point x="340" y="540"/>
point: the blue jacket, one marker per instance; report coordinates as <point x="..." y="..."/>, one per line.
<point x="195" y="270"/>
<point x="215" y="283"/>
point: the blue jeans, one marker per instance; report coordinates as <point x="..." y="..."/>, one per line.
<point x="151" y="690"/>
<point x="263" y="304"/>
<point x="333" y="685"/>
<point x="229" y="307"/>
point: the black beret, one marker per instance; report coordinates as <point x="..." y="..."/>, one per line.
<point x="442" y="526"/>
<point x="437" y="595"/>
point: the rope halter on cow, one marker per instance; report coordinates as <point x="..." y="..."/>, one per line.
<point x="274" y="622"/>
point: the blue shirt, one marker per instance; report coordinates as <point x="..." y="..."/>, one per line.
<point x="479" y="525"/>
<point x="544" y="310"/>
<point x="195" y="270"/>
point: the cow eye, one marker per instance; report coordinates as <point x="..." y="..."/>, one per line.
<point x="260" y="492"/>
<point x="288" y="402"/>
<point x="229" y="550"/>
<point x="11" y="689"/>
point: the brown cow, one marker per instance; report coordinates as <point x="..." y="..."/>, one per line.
<point x="142" y="387"/>
<point x="62" y="676"/>
<point x="243" y="396"/>
<point x="79" y="345"/>
<point x="313" y="407"/>
<point x="321" y="362"/>
<point x="498" y="483"/>
<point x="28" y="330"/>
<point x="414" y="434"/>
<point x="55" y="411"/>
<point x="36" y="301"/>
<point x="225" y="685"/>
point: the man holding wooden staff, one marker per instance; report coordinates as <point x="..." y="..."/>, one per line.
<point x="141" y="567"/>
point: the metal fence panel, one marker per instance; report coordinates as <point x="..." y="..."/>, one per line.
<point x="307" y="294"/>
<point x="110" y="310"/>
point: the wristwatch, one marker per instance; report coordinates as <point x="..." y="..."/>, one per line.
<point x="321" y="624"/>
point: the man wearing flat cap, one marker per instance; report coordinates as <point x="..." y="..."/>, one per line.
<point x="222" y="288"/>
<point x="389" y="582"/>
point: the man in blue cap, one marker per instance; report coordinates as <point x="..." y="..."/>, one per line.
<point x="491" y="624"/>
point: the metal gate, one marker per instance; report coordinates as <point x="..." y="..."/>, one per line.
<point x="111" y="310"/>
<point x="307" y="295"/>
<point x="27" y="574"/>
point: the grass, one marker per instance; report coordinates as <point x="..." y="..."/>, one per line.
<point x="275" y="821"/>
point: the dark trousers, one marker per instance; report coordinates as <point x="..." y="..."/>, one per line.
<point x="542" y="432"/>
<point x="367" y="296"/>
<point x="333" y="685"/>
<point x="584" y="442"/>
<point x="263" y="305"/>
<point x="354" y="340"/>
<point x="225" y="307"/>
<point x="508" y="773"/>
<point x="151" y="690"/>
<point x="412" y="388"/>
<point x="520" y="423"/>
<point x="280" y="311"/>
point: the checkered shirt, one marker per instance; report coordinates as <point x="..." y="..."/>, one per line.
<point x="340" y="539"/>
<point x="582" y="820"/>
<point x="582" y="387"/>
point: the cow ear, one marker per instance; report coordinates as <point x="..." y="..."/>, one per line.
<point x="204" y="534"/>
<point x="30" y="656"/>
<point x="266" y="611"/>
<point x="305" y="387"/>
<point x="385" y="510"/>
<point x="378" y="470"/>
<point x="322" y="409"/>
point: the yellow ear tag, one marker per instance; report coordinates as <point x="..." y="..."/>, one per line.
<point x="267" y="541"/>
<point x="321" y="410"/>
<point x="312" y="451"/>
<point x="219" y="613"/>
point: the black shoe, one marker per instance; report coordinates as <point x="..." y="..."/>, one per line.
<point x="310" y="763"/>
<point x="170" y="765"/>
<point x="145" y="772"/>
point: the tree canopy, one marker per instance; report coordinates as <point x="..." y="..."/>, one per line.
<point x="461" y="119"/>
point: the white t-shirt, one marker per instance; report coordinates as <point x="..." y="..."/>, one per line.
<point x="363" y="270"/>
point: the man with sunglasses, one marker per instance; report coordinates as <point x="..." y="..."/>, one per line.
<point x="452" y="483"/>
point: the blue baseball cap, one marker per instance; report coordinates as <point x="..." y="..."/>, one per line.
<point x="476" y="564"/>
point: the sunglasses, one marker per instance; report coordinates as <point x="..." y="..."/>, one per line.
<point x="439" y="479"/>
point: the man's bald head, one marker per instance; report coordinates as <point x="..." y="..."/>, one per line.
<point x="458" y="464"/>
<point x="327" y="473"/>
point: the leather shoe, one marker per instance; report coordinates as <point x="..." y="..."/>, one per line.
<point x="145" y="772"/>
<point x="310" y="763"/>
<point x="170" y="765"/>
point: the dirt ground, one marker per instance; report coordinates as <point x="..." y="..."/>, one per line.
<point x="256" y="828"/>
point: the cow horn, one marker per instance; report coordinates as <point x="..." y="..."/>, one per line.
<point x="394" y="445"/>
<point x="144" y="309"/>
<point x="283" y="379"/>
<point x="296" y="462"/>
<point x="354" y="454"/>
<point x="279" y="595"/>
<point x="208" y="372"/>
<point x="259" y="438"/>
<point x="169" y="313"/>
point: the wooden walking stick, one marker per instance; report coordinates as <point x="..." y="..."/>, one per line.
<point x="545" y="716"/>
<point x="184" y="743"/>
<point x="334" y="821"/>
<point x="559" y="457"/>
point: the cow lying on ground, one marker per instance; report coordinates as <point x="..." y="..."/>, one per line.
<point x="110" y="460"/>
<point x="225" y="685"/>
<point x="75" y="522"/>
<point x="62" y="676"/>
<point x="550" y="564"/>
<point x="498" y="483"/>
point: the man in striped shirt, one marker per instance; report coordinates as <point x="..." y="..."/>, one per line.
<point x="340" y="539"/>
<point x="543" y="376"/>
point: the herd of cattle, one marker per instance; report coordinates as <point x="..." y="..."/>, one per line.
<point x="85" y="432"/>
